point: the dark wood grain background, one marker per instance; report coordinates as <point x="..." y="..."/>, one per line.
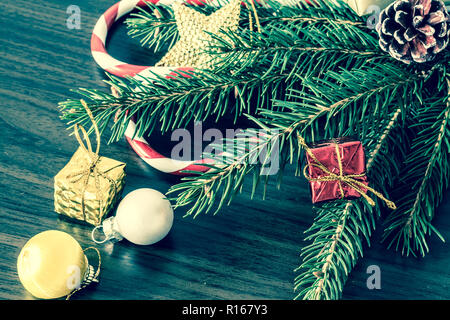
<point x="247" y="251"/>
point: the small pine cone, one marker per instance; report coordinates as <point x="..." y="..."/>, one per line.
<point x="414" y="30"/>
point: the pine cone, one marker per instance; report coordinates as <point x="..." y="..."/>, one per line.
<point x="414" y="30"/>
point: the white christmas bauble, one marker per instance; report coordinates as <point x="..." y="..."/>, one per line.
<point x="144" y="216"/>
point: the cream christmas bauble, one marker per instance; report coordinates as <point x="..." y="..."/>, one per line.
<point x="143" y="217"/>
<point x="49" y="263"/>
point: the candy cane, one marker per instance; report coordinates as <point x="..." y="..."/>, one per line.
<point x="122" y="69"/>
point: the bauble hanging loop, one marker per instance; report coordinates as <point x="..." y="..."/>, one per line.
<point x="109" y="230"/>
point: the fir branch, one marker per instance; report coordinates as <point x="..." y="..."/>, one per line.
<point x="227" y="176"/>
<point x="327" y="261"/>
<point x="156" y="26"/>
<point x="171" y="103"/>
<point x="293" y="50"/>
<point x="341" y="227"/>
<point x="346" y="245"/>
<point x="207" y="93"/>
<point x="288" y="116"/>
<point x="202" y="95"/>
<point x="360" y="87"/>
<point x="311" y="19"/>
<point x="383" y="138"/>
<point x="426" y="174"/>
<point x="323" y="274"/>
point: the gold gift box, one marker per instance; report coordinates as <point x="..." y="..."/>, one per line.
<point x="101" y="194"/>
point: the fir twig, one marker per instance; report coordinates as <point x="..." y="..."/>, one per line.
<point x="339" y="230"/>
<point x="426" y="174"/>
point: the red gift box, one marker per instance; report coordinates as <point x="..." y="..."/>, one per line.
<point x="353" y="163"/>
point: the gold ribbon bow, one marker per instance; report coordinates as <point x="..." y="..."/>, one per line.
<point x="91" y="169"/>
<point x="348" y="179"/>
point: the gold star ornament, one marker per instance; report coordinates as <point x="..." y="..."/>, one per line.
<point x="195" y="29"/>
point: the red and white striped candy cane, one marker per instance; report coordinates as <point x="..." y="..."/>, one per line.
<point x="122" y="69"/>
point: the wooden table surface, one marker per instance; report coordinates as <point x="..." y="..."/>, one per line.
<point x="247" y="251"/>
